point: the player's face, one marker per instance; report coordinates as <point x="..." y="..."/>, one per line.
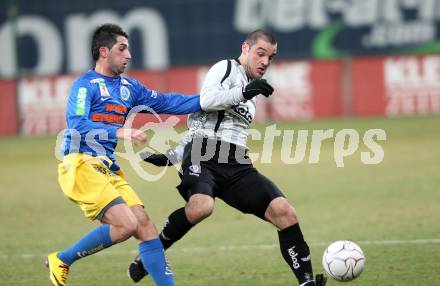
<point x="258" y="57"/>
<point x="119" y="56"/>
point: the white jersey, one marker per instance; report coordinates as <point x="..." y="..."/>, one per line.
<point x="227" y="115"/>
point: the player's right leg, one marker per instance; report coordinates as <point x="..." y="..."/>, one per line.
<point x="199" y="206"/>
<point x="151" y="250"/>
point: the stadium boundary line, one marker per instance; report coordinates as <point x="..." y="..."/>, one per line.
<point x="240" y="247"/>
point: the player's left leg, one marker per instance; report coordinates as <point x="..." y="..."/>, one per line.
<point x="293" y="247"/>
<point x="151" y="250"/>
<point x="251" y="192"/>
<point x="150" y="245"/>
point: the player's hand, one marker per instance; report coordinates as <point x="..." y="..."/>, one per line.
<point x="256" y="87"/>
<point x="131" y="134"/>
<point x="160" y="160"/>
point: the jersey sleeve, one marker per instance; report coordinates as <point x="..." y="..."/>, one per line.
<point x="181" y="146"/>
<point x="167" y="103"/>
<point x="215" y="95"/>
<point x="78" y="111"/>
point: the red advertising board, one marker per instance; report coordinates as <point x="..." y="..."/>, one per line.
<point x="326" y="81"/>
<point x="389" y="86"/>
<point x="394" y="86"/>
<point x="305" y="90"/>
<point x="42" y="104"/>
<point x="367" y="90"/>
<point x="8" y="108"/>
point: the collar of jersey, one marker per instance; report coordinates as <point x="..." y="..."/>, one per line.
<point x="106" y="77"/>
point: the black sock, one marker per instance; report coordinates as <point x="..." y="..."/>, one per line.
<point x="296" y="252"/>
<point x="175" y="228"/>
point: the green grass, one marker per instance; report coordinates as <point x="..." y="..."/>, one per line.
<point x="397" y="199"/>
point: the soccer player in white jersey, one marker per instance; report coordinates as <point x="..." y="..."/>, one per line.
<point x="215" y="164"/>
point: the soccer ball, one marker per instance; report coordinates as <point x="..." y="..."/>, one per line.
<point x="343" y="260"/>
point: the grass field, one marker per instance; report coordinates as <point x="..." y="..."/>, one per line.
<point x="392" y="210"/>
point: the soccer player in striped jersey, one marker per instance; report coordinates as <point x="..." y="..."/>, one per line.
<point x="215" y="164"/>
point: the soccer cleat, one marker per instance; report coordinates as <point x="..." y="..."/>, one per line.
<point x="58" y="270"/>
<point x="308" y="283"/>
<point x="320" y="280"/>
<point x="136" y="270"/>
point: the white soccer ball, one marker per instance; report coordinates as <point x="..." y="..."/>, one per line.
<point x="343" y="260"/>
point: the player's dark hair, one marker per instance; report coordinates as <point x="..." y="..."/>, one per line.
<point x="105" y="36"/>
<point x="252" y="37"/>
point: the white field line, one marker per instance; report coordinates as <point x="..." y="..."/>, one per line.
<point x="231" y="248"/>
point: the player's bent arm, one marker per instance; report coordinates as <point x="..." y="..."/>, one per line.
<point x="213" y="99"/>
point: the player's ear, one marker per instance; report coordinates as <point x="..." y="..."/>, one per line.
<point x="103" y="52"/>
<point x="245" y="48"/>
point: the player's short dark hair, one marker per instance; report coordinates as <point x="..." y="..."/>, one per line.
<point x="105" y="36"/>
<point x="252" y="37"/>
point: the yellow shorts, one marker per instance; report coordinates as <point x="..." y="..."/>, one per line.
<point x="88" y="182"/>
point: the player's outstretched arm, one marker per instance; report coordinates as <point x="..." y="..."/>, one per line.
<point x="166" y="103"/>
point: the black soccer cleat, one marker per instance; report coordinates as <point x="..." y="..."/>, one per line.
<point x="320" y="280"/>
<point x="136" y="270"/>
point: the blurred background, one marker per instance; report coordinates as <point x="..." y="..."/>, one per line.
<point x="336" y="58"/>
<point x="358" y="64"/>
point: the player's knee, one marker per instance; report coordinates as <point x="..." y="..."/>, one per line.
<point x="145" y="223"/>
<point x="288" y="213"/>
<point x="146" y="229"/>
<point x="197" y="214"/>
<point x="198" y="208"/>
<point x="128" y="229"/>
<point x="281" y="213"/>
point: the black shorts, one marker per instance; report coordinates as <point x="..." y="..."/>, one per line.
<point x="239" y="185"/>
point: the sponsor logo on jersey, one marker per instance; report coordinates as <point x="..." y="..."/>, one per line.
<point x="125" y="92"/>
<point x="108" y="118"/>
<point x="243" y="112"/>
<point x="81" y="101"/>
<point x="103" y="89"/>
<point x="118" y="108"/>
